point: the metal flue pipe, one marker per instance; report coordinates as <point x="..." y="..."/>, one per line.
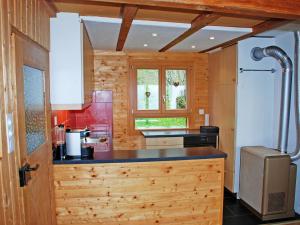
<point x="296" y="154"/>
<point x="277" y="53"/>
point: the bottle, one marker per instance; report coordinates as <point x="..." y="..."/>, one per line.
<point x="60" y="140"/>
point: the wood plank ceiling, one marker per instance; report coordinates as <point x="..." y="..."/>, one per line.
<point x="258" y="14"/>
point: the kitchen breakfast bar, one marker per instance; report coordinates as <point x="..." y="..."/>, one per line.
<point x="141" y="187"/>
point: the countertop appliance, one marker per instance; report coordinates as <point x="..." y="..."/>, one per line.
<point x="267" y="182"/>
<point x="208" y="136"/>
<point x="73" y="143"/>
<point x="59" y="151"/>
<point x="87" y="152"/>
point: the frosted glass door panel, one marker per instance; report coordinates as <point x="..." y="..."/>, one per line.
<point x="34" y="106"/>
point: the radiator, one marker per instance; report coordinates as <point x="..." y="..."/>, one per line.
<point x="267" y="182"/>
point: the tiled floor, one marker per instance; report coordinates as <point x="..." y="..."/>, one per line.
<point x="235" y="213"/>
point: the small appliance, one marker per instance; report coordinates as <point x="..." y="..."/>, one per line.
<point x="60" y="142"/>
<point x="73" y="143"/>
<point x="87" y="152"/>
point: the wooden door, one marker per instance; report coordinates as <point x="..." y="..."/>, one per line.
<point x="33" y="130"/>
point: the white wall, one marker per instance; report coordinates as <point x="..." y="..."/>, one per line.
<point x="255" y="105"/>
<point x="258" y="101"/>
<point x="286" y="42"/>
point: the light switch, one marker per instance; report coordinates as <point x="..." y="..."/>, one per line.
<point x="201" y="112"/>
<point x="10" y="132"/>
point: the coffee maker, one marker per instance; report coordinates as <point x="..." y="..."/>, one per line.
<point x="73" y="139"/>
<point x="76" y="147"/>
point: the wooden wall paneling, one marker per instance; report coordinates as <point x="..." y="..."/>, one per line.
<point x="222" y="90"/>
<point x="112" y="73"/>
<point x="20" y="15"/>
<point x="17" y="21"/>
<point x="176" y="192"/>
<point x="29" y="18"/>
<point x="38" y="21"/>
<point x="3" y="213"/>
<point x="23" y="27"/>
<point x="1" y="88"/>
<point x="33" y="18"/>
<point x="2" y="200"/>
<point x="7" y="162"/>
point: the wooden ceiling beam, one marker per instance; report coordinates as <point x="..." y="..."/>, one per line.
<point x="257" y="29"/>
<point x="50" y="6"/>
<point x="198" y="23"/>
<point x="165" y="9"/>
<point x="128" y="14"/>
<point x="288" y="9"/>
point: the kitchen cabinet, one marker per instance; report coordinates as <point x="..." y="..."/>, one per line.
<point x="242" y="103"/>
<point x="141" y="187"/>
<point x="71" y="63"/>
<point x="165" y="139"/>
<point x="164" y="142"/>
<point x="222" y="105"/>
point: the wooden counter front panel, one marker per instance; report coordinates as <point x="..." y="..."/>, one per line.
<point x="171" y="193"/>
<point x="164" y="142"/>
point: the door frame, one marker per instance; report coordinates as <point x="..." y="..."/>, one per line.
<point x="15" y="34"/>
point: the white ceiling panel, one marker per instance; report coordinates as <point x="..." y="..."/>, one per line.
<point x="141" y="34"/>
<point x="201" y="40"/>
<point x="290" y="27"/>
<point x="103" y="35"/>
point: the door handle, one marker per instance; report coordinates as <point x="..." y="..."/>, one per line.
<point x="28" y="168"/>
<point x="24" y="173"/>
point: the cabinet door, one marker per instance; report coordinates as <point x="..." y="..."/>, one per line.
<point x="222" y="95"/>
<point x="88" y="66"/>
<point x="71" y="63"/>
<point x="164" y="143"/>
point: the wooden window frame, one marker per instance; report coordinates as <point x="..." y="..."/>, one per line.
<point x="162" y="111"/>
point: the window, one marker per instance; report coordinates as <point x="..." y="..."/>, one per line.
<point x="160" y="123"/>
<point x="160" y="96"/>
<point x="175" y="89"/>
<point x="147" y="89"/>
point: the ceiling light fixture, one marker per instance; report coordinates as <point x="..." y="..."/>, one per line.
<point x="193" y="46"/>
<point x="145" y="45"/>
<point x="154" y="34"/>
<point x="212" y="38"/>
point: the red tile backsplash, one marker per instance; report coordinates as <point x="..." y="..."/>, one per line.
<point x="97" y="116"/>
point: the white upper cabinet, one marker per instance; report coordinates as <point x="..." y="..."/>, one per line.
<point x="71" y="63"/>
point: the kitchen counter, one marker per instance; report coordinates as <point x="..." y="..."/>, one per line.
<point x="166" y="186"/>
<point x="148" y="155"/>
<point x="173" y="133"/>
<point x="179" y="138"/>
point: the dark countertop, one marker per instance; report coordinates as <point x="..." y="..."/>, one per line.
<point x="173" y="133"/>
<point x="122" y="156"/>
